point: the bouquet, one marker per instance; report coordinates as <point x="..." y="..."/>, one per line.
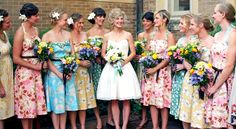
<point x="87" y="52"/>
<point x="42" y="50"/>
<point x="201" y="75"/>
<point x="149" y="59"/>
<point x="70" y="65"/>
<point x="96" y="43"/>
<point x="114" y="56"/>
<point x="191" y="52"/>
<point x="174" y="54"/>
<point x="139" y="46"/>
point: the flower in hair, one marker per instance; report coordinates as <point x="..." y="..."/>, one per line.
<point x="70" y="21"/>
<point x="1" y="18"/>
<point x="91" y="16"/>
<point x="55" y="15"/>
<point x="22" y="17"/>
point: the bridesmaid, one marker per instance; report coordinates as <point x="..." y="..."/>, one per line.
<point x="6" y="71"/>
<point x="85" y="90"/>
<point x="200" y="26"/>
<point x="223" y="59"/>
<point x="60" y="98"/>
<point x="148" y="25"/>
<point x="157" y="91"/>
<point x="113" y="86"/>
<point x="29" y="90"/>
<point x="98" y="31"/>
<point x="179" y="69"/>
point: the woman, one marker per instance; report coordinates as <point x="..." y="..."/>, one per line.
<point x="179" y="70"/>
<point x="192" y="113"/>
<point x="223" y="59"/>
<point x="6" y="71"/>
<point x="98" y="31"/>
<point x="60" y="98"/>
<point x="157" y="87"/>
<point x="113" y="86"/>
<point x="146" y="36"/>
<point x="85" y="90"/>
<point x="28" y="82"/>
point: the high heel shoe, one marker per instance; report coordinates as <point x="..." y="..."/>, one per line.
<point x="143" y="125"/>
<point x="109" y="126"/>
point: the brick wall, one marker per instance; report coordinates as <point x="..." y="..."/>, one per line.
<point x="206" y="7"/>
<point x="70" y="6"/>
<point x="149" y="5"/>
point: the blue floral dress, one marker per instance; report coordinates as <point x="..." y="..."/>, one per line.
<point x="177" y="86"/>
<point x="60" y="98"/>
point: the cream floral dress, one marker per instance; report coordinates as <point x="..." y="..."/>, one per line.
<point x="6" y="76"/>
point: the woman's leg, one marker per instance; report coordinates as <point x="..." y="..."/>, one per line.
<point x="186" y="125"/>
<point x="154" y="116"/>
<point x="82" y="118"/>
<point x="62" y="121"/>
<point x="144" y="116"/>
<point x="99" y="120"/>
<point x="109" y="114"/>
<point x="1" y="124"/>
<point x="27" y="123"/>
<point x="164" y="117"/>
<point x="116" y="113"/>
<point x="55" y="120"/>
<point x="126" y="113"/>
<point x="72" y="116"/>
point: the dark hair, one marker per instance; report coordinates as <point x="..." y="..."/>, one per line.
<point x="97" y="12"/>
<point x="148" y="16"/>
<point x="29" y="9"/>
<point x="3" y="13"/>
<point x="204" y="20"/>
<point x="75" y="17"/>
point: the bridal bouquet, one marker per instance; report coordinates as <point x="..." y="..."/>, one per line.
<point x="86" y="52"/>
<point x="139" y="46"/>
<point x="174" y="54"/>
<point x="96" y="43"/>
<point x="70" y="64"/>
<point x="114" y="56"/>
<point x="201" y="75"/>
<point x="149" y="59"/>
<point x="191" y="52"/>
<point x="42" y="50"/>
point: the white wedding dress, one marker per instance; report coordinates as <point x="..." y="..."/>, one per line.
<point x="112" y="86"/>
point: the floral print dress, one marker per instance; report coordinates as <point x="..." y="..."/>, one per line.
<point x="157" y="91"/>
<point x="29" y="90"/>
<point x="217" y="109"/>
<point x="6" y="77"/>
<point x="60" y="97"/>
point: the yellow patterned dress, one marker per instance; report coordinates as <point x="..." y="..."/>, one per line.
<point x="85" y="89"/>
<point x="6" y="76"/>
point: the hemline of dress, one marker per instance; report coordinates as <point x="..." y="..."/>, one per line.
<point x="130" y="98"/>
<point x="20" y="117"/>
<point x="6" y="117"/>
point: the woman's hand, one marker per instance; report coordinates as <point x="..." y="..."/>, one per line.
<point x="85" y="63"/>
<point x="211" y="90"/>
<point x="151" y="71"/>
<point x="137" y="57"/>
<point x="38" y="67"/>
<point x="2" y="91"/>
<point x="178" y="67"/>
<point x="187" y="65"/>
<point x="98" y="60"/>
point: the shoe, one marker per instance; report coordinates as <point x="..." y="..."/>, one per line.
<point x="109" y="126"/>
<point x="142" y="126"/>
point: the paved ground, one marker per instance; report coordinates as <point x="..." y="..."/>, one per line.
<point x="13" y="123"/>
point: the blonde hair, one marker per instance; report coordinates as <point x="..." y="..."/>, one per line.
<point x="186" y="18"/>
<point x="204" y="20"/>
<point x="53" y="18"/>
<point x="116" y="12"/>
<point x="164" y="14"/>
<point x="228" y="9"/>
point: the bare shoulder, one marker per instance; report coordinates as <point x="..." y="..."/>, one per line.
<point x="141" y="35"/>
<point x="19" y="31"/>
<point x="128" y="34"/>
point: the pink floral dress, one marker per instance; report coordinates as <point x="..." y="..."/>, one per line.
<point x="157" y="91"/>
<point x="29" y="91"/>
<point x="217" y="108"/>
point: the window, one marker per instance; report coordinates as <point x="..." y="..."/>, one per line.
<point x="178" y="7"/>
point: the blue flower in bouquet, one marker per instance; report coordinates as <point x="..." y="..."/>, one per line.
<point x="149" y="59"/>
<point x="86" y="52"/>
<point x="70" y="64"/>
